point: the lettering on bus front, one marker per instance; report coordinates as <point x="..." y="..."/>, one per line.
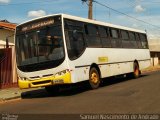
<point x="38" y="25"/>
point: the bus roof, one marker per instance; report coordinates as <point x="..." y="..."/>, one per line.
<point x="88" y="21"/>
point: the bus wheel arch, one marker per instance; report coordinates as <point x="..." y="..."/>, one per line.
<point x="94" y="76"/>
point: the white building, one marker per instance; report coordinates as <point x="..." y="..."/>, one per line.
<point x="8" y="74"/>
<point x="154" y="46"/>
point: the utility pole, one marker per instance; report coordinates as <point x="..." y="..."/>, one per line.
<point x="90" y="10"/>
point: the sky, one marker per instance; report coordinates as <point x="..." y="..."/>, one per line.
<point x="147" y="11"/>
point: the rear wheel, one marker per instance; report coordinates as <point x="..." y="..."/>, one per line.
<point x="94" y="78"/>
<point x="136" y="72"/>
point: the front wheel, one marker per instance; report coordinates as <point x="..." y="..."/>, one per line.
<point x="94" y="78"/>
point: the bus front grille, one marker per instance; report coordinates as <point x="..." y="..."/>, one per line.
<point x="41" y="82"/>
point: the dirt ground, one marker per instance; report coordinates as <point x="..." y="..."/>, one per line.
<point x="151" y="68"/>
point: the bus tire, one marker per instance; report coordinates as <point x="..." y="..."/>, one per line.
<point x="94" y="78"/>
<point x="136" y="71"/>
<point x="52" y="89"/>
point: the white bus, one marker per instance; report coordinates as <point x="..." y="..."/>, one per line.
<point x="64" y="49"/>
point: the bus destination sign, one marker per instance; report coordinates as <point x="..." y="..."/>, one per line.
<point x="37" y="25"/>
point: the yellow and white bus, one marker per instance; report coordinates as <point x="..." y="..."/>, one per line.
<point x="64" y="49"/>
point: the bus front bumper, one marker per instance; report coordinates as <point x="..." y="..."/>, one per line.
<point x="47" y="81"/>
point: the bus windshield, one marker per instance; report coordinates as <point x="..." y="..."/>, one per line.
<point x="40" y="49"/>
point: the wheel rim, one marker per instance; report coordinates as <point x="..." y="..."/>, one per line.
<point x="94" y="78"/>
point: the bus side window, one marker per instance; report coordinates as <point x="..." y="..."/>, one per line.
<point x="92" y="36"/>
<point x="143" y="38"/>
<point x="125" y="39"/>
<point x="103" y="32"/>
<point x="115" y="39"/>
<point x="74" y="39"/>
<point x="138" y="41"/>
<point x="133" y="40"/>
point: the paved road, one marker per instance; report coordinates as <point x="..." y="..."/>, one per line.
<point x="118" y="95"/>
